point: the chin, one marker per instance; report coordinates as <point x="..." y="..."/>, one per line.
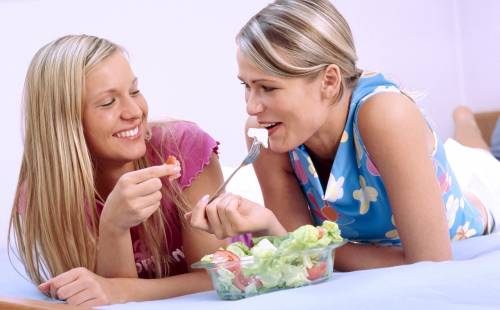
<point x="136" y="152"/>
<point x="280" y="148"/>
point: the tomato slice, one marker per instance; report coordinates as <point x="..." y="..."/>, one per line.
<point x="317" y="271"/>
<point x="171" y="160"/>
<point x="221" y="256"/>
<point x="231" y="260"/>
<point x="241" y="282"/>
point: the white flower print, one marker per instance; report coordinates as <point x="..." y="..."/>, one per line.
<point x="334" y="189"/>
<point x="365" y="195"/>
<point x="310" y="167"/>
<point x="392" y="234"/>
<point x="463" y="232"/>
<point x="345" y="137"/>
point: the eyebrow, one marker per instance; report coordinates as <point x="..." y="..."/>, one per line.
<point x="258" y="80"/>
<point x="112" y="90"/>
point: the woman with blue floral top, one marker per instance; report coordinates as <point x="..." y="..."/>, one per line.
<point x="345" y="145"/>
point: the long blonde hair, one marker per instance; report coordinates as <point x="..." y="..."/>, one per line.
<point x="54" y="218"/>
<point x="299" y="38"/>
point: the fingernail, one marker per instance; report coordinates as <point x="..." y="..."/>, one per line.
<point x="205" y="198"/>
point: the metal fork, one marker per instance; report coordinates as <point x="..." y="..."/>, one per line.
<point x="250" y="158"/>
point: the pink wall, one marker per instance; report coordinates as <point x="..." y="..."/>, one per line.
<point x="440" y="49"/>
<point x="480" y="35"/>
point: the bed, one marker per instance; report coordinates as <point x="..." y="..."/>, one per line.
<point x="470" y="281"/>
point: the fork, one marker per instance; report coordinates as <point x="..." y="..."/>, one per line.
<point x="250" y="158"/>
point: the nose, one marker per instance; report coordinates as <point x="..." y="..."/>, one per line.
<point x="131" y="109"/>
<point x="254" y="105"/>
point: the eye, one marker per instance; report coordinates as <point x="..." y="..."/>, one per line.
<point x="135" y="93"/>
<point x="109" y="103"/>
<point x="245" y="84"/>
<point x="268" y="89"/>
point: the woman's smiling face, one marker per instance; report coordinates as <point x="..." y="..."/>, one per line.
<point x="114" y="112"/>
<point x="292" y="109"/>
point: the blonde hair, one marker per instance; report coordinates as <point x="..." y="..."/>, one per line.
<point x="54" y="218"/>
<point x="299" y="38"/>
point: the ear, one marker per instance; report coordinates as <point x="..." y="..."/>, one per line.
<point x="331" y="81"/>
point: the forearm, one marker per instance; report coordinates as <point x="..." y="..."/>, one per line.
<point x="152" y="289"/>
<point x="366" y="256"/>
<point x="115" y="255"/>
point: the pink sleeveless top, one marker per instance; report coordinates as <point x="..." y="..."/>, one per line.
<point x="193" y="148"/>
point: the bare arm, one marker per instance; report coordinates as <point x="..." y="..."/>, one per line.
<point x="133" y="199"/>
<point x="82" y="287"/>
<point x="280" y="189"/>
<point x="400" y="144"/>
<point x="198" y="243"/>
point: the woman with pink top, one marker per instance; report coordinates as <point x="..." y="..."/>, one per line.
<point x="98" y="214"/>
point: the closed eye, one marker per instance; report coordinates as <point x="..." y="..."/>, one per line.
<point x="109" y="103"/>
<point x="135" y="92"/>
<point x="268" y="89"/>
<point x="245" y="84"/>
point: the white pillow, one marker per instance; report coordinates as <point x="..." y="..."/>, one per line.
<point x="244" y="183"/>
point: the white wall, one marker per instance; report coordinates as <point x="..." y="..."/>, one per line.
<point x="183" y="53"/>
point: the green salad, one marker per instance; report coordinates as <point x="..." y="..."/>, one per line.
<point x="299" y="258"/>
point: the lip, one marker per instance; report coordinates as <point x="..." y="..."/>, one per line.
<point x="272" y="130"/>
<point x="264" y="124"/>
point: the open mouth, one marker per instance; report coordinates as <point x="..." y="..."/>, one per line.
<point x="128" y="134"/>
<point x="271" y="125"/>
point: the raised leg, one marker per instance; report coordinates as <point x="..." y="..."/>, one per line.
<point x="466" y="130"/>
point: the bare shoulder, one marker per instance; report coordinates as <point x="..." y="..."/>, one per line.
<point x="385" y="109"/>
<point x="392" y="119"/>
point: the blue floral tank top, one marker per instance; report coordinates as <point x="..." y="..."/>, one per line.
<point x="355" y="195"/>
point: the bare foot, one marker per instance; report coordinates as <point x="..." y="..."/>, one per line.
<point x="466" y="130"/>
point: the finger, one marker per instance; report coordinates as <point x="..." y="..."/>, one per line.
<point x="221" y="211"/>
<point x="63" y="279"/>
<point x="174" y="177"/>
<point x="213" y="218"/>
<point x="198" y="215"/>
<point x="148" y="200"/>
<point x="44" y="287"/>
<point x="146" y="212"/>
<point x="67" y="291"/>
<point x="147" y="187"/>
<point x="142" y="175"/>
<point x="233" y="213"/>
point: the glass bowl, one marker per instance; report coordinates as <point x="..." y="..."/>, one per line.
<point x="249" y="277"/>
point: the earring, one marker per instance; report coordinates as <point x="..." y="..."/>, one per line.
<point x="148" y="134"/>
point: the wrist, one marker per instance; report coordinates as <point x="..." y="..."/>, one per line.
<point x="274" y="227"/>
<point x="107" y="228"/>
<point x="120" y="290"/>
